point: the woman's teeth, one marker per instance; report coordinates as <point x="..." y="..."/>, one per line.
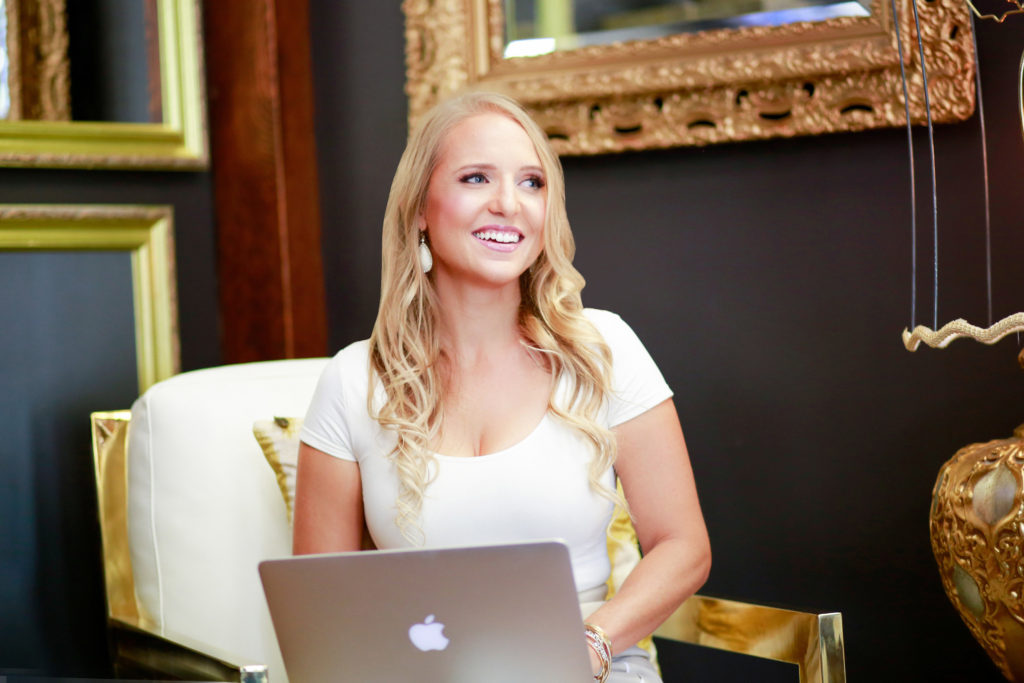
<point x="498" y="236"/>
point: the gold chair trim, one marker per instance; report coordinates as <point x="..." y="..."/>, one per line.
<point x="109" y="449"/>
<point x="812" y="641"/>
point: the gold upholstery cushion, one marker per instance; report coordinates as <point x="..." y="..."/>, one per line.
<point x="624" y="553"/>
<point x="279" y="439"/>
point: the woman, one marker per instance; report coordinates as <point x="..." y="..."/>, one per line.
<point x="488" y="405"/>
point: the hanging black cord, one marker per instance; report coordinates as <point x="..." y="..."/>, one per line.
<point x="913" y="178"/>
<point x="1020" y="108"/>
<point x="984" y="162"/>
<point x="935" y="196"/>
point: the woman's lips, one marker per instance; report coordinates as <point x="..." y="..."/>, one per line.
<point x="503" y="239"/>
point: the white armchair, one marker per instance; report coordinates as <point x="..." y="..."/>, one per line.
<point x="201" y="509"/>
<point x="189" y="506"/>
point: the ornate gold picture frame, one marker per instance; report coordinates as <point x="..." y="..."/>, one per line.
<point x="146" y="233"/>
<point x="840" y="74"/>
<point x="36" y="51"/>
<point x="178" y="142"/>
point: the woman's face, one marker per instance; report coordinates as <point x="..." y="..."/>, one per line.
<point x="485" y="204"/>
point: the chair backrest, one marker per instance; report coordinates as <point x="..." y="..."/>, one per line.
<point x="203" y="506"/>
<point x="813" y="641"/>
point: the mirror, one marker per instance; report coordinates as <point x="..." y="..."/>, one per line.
<point x="715" y="77"/>
<point x="101" y="84"/>
<point x="537" y="27"/>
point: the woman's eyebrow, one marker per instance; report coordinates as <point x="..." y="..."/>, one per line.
<point x="476" y="167"/>
<point x="492" y="167"/>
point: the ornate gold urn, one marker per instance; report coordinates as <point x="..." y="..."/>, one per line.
<point x="977" y="532"/>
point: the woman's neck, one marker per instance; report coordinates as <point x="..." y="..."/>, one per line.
<point x="478" y="322"/>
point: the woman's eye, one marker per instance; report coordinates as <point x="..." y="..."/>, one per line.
<point x="473" y="178"/>
<point x="535" y="182"/>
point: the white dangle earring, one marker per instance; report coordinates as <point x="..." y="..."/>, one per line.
<point x="426" y="259"/>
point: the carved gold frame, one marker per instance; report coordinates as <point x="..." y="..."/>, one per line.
<point x="840" y="74"/>
<point x="37" y="49"/>
<point x="178" y="142"/>
<point x="145" y="232"/>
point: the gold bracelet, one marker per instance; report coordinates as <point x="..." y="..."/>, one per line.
<point x="602" y="645"/>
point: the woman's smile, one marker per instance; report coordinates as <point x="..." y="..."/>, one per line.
<point x="501" y="238"/>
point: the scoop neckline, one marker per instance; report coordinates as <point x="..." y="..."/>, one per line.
<point x="504" y="451"/>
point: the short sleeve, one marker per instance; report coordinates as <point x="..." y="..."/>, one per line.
<point x="327" y="426"/>
<point x="637" y="383"/>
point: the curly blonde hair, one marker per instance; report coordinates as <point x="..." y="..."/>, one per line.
<point x="404" y="347"/>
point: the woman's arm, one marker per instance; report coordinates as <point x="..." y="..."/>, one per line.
<point x="328" y="503"/>
<point x="654" y="468"/>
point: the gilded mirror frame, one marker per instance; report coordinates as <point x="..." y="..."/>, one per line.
<point x="722" y="85"/>
<point x="178" y="142"/>
<point x="146" y="233"/>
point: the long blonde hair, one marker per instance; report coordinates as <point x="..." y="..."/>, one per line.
<point x="404" y="347"/>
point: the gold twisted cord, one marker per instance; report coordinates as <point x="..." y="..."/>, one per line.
<point x="955" y="329"/>
<point x="998" y="18"/>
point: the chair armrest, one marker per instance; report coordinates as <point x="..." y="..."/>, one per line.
<point x="813" y="641"/>
<point x="138" y="653"/>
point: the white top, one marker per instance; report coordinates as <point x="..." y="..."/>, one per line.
<point x="534" y="490"/>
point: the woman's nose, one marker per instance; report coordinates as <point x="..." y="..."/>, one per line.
<point x="505" y="202"/>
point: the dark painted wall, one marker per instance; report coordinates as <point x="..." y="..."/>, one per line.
<point x="47" y="300"/>
<point x="771" y="281"/>
<point x="67" y="349"/>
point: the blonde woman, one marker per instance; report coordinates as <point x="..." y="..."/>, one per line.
<point x="488" y="405"/>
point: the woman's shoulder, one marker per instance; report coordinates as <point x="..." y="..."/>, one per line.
<point x="357" y="351"/>
<point x="600" y="316"/>
<point x="637" y="383"/>
<point x="616" y="332"/>
<point x="610" y="325"/>
<point x="350" y="365"/>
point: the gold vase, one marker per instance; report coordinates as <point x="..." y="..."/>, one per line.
<point x="977" y="532"/>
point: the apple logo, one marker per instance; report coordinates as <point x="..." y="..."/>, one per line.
<point x="428" y="636"/>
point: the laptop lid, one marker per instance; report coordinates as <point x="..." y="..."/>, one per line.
<point x="450" y="615"/>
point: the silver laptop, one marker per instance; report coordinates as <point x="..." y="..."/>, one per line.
<point x="456" y="615"/>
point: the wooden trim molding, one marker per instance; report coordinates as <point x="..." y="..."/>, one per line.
<point x="265" y="180"/>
